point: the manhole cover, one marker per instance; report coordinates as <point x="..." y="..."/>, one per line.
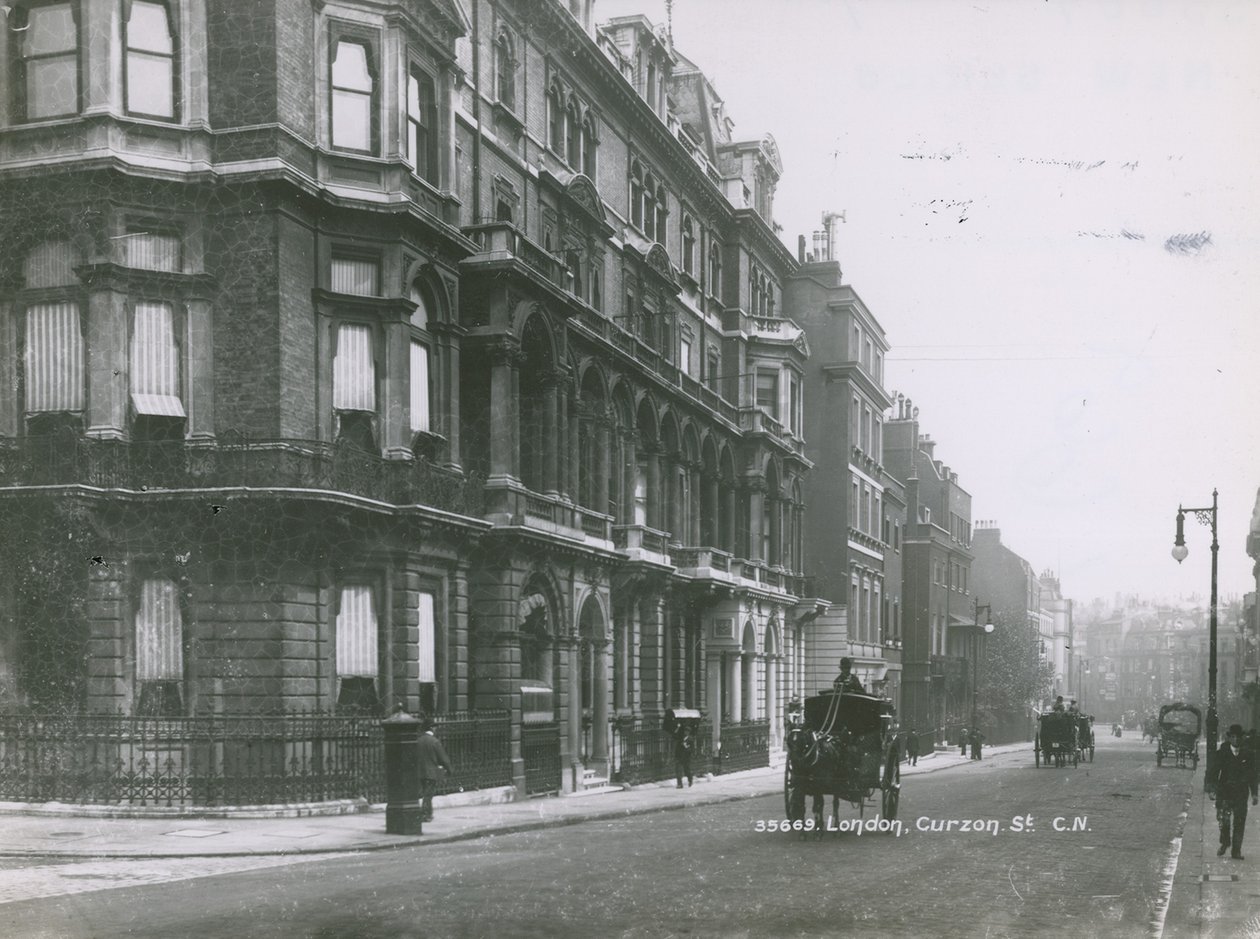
<point x="195" y="832"/>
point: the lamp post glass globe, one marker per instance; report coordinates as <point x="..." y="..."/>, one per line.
<point x="1180" y="553"/>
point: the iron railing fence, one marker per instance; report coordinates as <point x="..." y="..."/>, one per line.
<point x="479" y="746"/>
<point x="232" y="461"/>
<point x="646" y="754"/>
<point x="220" y="761"/>
<point x="745" y="745"/>
<point x="540" y="751"/>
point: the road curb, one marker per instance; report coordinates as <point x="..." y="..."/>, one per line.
<point x="358" y="848"/>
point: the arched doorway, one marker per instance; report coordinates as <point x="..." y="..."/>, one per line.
<point x="748" y="664"/>
<point x="774" y="660"/>
<point x="591" y="692"/>
<point x="540" y="728"/>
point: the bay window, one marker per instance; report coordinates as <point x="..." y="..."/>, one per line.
<point x="151" y="74"/>
<point x="47" y="59"/>
<point x="353" y="97"/>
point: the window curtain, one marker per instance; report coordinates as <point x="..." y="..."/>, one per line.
<point x="354" y="371"/>
<point x="155" y="361"/>
<point x="54" y="358"/>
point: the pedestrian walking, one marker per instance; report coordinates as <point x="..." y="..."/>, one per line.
<point x="912" y="747"/>
<point x="432" y="757"/>
<point x="977" y="743"/>
<point x="684" y="743"/>
<point x="1233" y="778"/>
<point x="962" y="741"/>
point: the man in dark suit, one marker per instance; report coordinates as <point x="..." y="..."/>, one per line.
<point x="846" y="682"/>
<point x="1233" y="778"/>
<point x="432" y="758"/>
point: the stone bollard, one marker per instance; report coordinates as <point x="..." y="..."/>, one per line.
<point x="402" y="774"/>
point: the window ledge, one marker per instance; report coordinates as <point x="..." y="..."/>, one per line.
<point x="506" y="117"/>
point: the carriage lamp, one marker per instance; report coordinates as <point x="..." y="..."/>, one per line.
<point x="1206" y="516"/>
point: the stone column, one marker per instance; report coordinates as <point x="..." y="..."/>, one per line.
<point x="571" y="650"/>
<point x="444" y="377"/>
<point x="394" y="406"/>
<point x="599" y="427"/>
<point x="200" y="346"/>
<point x="599" y="707"/>
<point x="108" y="365"/>
<point x="504" y="413"/>
<point x="734" y="685"/>
<point x="654" y="513"/>
<point x="552" y="442"/>
<point x="650" y="659"/>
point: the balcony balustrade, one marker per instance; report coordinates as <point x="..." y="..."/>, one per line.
<point x="233" y="461"/>
<point x="504" y="241"/>
<point x="640" y="539"/>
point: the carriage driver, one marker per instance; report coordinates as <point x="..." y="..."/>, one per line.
<point x="846" y="681"/>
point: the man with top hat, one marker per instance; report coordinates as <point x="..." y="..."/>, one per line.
<point x="1233" y="778"/>
<point x="846" y="681"/>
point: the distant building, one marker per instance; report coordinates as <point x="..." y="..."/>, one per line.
<point x="846" y="542"/>
<point x="938" y="636"/>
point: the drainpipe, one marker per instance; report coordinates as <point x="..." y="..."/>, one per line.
<point x="476" y="85"/>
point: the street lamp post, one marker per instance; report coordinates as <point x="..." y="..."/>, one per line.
<point x="975" y="658"/>
<point x="1206" y="516"/>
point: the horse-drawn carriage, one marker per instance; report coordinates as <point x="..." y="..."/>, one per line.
<point x="1085" y="736"/>
<point x="841" y="745"/>
<point x="1179" y="726"/>
<point x="1056" y="742"/>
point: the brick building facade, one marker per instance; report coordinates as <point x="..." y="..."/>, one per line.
<point x="393" y="353"/>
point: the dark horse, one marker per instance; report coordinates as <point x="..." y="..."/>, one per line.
<point x="822" y="764"/>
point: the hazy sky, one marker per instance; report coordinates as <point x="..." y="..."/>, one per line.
<point x="1012" y="172"/>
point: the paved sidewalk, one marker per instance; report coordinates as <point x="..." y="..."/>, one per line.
<point x="63" y="832"/>
<point x="1213" y="897"/>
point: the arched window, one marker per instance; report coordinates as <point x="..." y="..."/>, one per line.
<point x="715" y="270"/>
<point x="649" y="207"/>
<point x="505" y="70"/>
<point x="150" y="73"/>
<point x="353" y="97"/>
<point x="597" y="290"/>
<point x="688" y="245"/>
<point x="572" y="135"/>
<point x="555" y="118"/>
<point x="573" y="261"/>
<point x="636" y="194"/>
<point x="589" y="145"/>
<point x="662" y="210"/>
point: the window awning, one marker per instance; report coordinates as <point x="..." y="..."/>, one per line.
<point x="158" y="405"/>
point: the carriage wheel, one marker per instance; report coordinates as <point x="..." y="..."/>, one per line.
<point x="1037" y="750"/>
<point x="891" y="798"/>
